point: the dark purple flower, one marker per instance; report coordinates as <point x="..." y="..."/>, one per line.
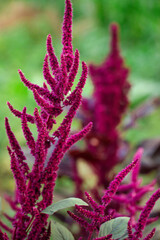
<point x="106" y="108"/>
<point x="142" y="221"/>
<point x="130" y="195"/>
<point x="150" y="235"/>
<point x="99" y="213"/>
<point x="113" y="186"/>
<point x="40" y="180"/>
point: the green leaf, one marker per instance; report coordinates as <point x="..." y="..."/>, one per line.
<point x="117" y="227"/>
<point x="59" y="232"/>
<point x="65" y="203"/>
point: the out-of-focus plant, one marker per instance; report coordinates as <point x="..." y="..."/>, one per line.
<point x="106" y="108"/>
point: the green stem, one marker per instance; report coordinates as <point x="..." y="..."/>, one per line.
<point x="30" y="224"/>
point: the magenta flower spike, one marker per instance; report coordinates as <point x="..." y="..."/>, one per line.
<point x="11" y="219"/>
<point x="150" y="235"/>
<point x="19" y="114"/>
<point x="17" y="149"/>
<point x="19" y="178"/>
<point x="130" y="233"/>
<point x="35" y="186"/>
<point x="12" y="203"/>
<point x="27" y="132"/>
<point x="44" y="104"/>
<point x="52" y="57"/>
<point x="92" y="203"/>
<point x="115" y="40"/>
<point x="47" y="75"/>
<point x="130" y="195"/>
<point x="118" y="179"/>
<point x="139" y="227"/>
<point x="100" y="213"/>
<point x="135" y="173"/>
<point x="73" y="72"/>
<point x="6" y="228"/>
<point x="69" y="100"/>
<point x="3" y="236"/>
<point x="81" y="221"/>
<point x="86" y="213"/>
<point x="67" y="35"/>
<point x="111" y="87"/>
<point x="105" y="108"/>
<point x="76" y="137"/>
<point x="34" y="87"/>
<point x="133" y="236"/>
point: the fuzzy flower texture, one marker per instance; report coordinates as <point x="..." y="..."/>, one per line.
<point x="100" y="213"/>
<point x="106" y="108"/>
<point x="34" y="187"/>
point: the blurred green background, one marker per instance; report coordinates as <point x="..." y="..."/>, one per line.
<point x="24" y="26"/>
